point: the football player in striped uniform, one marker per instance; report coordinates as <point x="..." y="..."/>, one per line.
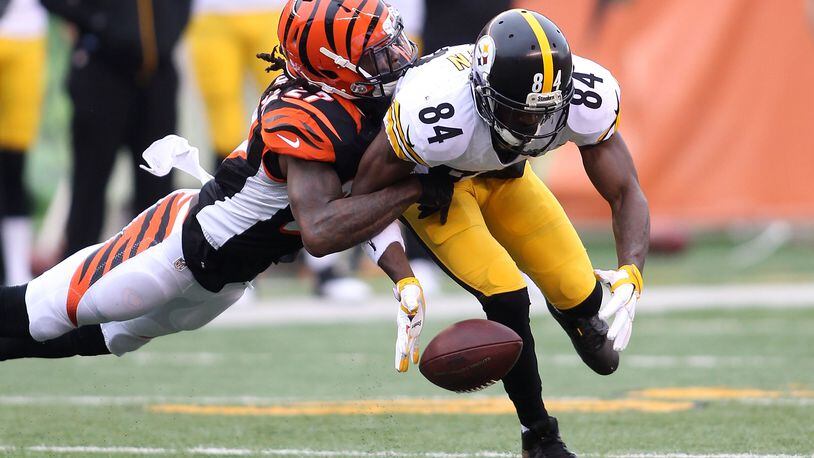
<point x="478" y="113"/>
<point x="190" y="256"/>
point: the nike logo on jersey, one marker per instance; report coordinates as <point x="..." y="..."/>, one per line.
<point x="293" y="144"/>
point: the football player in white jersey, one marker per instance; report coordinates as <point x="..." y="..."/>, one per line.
<point x="478" y="113"/>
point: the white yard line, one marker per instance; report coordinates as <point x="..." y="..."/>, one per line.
<point x="656" y="299"/>
<point x="106" y="401"/>
<point x="93" y="449"/>
<point x="222" y="451"/>
<point x="260" y="401"/>
<point x="208" y="358"/>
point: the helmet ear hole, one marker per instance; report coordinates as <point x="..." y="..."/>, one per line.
<point x="330" y="74"/>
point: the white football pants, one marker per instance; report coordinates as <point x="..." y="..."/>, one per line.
<point x="136" y="285"/>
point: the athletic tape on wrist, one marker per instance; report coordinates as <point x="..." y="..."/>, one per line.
<point x="375" y="247"/>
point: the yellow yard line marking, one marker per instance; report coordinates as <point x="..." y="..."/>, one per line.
<point x="465" y="406"/>
<point x="653" y="400"/>
<point x="700" y="393"/>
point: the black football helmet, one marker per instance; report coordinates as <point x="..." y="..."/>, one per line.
<point x="521" y="79"/>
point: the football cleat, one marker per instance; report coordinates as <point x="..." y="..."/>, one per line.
<point x="542" y="440"/>
<point x="589" y="335"/>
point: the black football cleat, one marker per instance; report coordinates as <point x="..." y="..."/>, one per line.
<point x="542" y="440"/>
<point x="590" y="338"/>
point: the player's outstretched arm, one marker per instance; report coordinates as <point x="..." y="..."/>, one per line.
<point x="330" y="223"/>
<point x="379" y="168"/>
<point x="611" y="170"/>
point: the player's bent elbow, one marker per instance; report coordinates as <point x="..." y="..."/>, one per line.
<point x="638" y="195"/>
<point x="630" y="194"/>
<point x="316" y="252"/>
<point x="314" y="246"/>
<point x="321" y="238"/>
<point x="317" y="245"/>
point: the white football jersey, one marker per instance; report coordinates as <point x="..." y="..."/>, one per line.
<point x="433" y="119"/>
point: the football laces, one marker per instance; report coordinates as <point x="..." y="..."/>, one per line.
<point x="486" y="384"/>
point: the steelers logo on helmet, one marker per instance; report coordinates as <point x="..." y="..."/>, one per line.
<point x="523" y="87"/>
<point x="484" y="54"/>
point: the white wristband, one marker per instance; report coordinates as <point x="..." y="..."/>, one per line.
<point x="376" y="246"/>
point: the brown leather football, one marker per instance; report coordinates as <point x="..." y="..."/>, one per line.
<point x="470" y="355"/>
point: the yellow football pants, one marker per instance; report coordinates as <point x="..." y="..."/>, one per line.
<point x="224" y="48"/>
<point x="496" y="228"/>
<point x="22" y="63"/>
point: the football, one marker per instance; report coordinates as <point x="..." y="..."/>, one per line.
<point x="470" y="355"/>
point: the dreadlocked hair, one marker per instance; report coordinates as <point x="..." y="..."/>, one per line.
<point x="277" y="62"/>
<point x="275" y="58"/>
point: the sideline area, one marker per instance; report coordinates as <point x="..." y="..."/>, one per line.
<point x="655" y="299"/>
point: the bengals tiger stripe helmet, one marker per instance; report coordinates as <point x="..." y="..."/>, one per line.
<point x="354" y="48"/>
<point x="522" y="79"/>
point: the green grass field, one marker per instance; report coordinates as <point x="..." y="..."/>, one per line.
<point x="271" y="391"/>
<point x="692" y="384"/>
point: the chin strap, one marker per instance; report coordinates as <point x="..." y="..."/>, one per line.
<point x="342" y="62"/>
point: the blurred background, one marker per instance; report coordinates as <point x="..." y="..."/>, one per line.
<point x="717" y="106"/>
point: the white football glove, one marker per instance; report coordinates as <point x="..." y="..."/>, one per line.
<point x="626" y="287"/>
<point x="409" y="321"/>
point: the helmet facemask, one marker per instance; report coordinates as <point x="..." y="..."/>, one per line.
<point x="526" y="128"/>
<point x="384" y="63"/>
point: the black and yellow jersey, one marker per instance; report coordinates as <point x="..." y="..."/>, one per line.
<point x="242" y="221"/>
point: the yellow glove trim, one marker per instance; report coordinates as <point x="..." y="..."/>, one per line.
<point x="408" y="281"/>
<point x="400" y="286"/>
<point x="634" y="277"/>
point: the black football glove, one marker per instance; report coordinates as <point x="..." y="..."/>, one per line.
<point x="436" y="194"/>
